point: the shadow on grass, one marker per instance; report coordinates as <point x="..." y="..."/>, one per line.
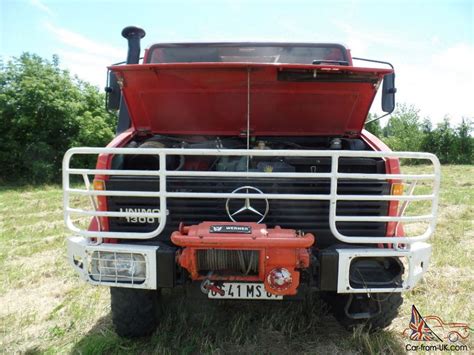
<point x="189" y="326"/>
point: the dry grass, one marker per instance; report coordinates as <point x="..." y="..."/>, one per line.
<point x="46" y="308"/>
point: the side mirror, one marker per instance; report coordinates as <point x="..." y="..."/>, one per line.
<point x="112" y="93"/>
<point x="388" y="93"/>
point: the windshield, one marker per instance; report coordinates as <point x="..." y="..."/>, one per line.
<point x="247" y="53"/>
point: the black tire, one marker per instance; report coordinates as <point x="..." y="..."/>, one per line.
<point x="134" y="311"/>
<point x="389" y="304"/>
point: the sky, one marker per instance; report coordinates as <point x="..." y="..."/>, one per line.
<point x="430" y="43"/>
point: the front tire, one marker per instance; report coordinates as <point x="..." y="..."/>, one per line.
<point x="134" y="311"/>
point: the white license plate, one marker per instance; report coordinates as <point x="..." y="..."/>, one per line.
<point x="243" y="291"/>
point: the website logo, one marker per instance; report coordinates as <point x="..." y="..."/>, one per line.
<point x="432" y="328"/>
<point x="419" y="329"/>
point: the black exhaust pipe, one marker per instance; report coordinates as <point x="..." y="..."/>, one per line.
<point x="133" y="35"/>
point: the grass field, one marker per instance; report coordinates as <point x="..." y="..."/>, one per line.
<point x="44" y="307"/>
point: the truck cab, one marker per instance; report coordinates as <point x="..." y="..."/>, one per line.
<point x="243" y="171"/>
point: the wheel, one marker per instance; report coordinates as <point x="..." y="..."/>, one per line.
<point x="134" y="311"/>
<point x="374" y="313"/>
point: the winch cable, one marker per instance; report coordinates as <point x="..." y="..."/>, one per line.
<point x="252" y="264"/>
<point x="241" y="261"/>
<point x="245" y="261"/>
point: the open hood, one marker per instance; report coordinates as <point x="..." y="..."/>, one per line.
<point x="272" y="99"/>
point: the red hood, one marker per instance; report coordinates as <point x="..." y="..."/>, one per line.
<point x="279" y="99"/>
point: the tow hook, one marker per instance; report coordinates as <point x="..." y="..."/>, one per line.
<point x="207" y="286"/>
<point x="366" y="308"/>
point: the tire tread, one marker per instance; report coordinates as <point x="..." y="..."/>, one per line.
<point x="134" y="311"/>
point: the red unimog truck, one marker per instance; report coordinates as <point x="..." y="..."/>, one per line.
<point x="243" y="171"/>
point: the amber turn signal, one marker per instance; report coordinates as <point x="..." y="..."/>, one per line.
<point x="98" y="185"/>
<point x="397" y="189"/>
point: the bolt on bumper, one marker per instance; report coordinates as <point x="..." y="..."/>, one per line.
<point x="415" y="259"/>
<point x="82" y="255"/>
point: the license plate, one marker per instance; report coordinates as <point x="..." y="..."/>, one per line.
<point x="243" y="291"/>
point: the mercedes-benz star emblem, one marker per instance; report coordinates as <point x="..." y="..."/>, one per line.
<point x="247" y="206"/>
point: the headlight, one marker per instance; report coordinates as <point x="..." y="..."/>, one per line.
<point x="117" y="267"/>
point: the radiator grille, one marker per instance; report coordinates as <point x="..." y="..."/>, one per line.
<point x="309" y="216"/>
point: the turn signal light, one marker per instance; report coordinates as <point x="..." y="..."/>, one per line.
<point x="98" y="185"/>
<point x="397" y="189"/>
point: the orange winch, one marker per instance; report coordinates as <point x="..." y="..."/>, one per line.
<point x="244" y="252"/>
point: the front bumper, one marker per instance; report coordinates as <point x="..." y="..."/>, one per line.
<point x="416" y="260"/>
<point x="416" y="264"/>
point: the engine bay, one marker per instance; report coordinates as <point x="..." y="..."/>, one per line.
<point x="241" y="163"/>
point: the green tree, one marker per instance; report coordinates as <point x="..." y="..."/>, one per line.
<point x="402" y="132"/>
<point x="373" y="127"/>
<point x="427" y="143"/>
<point x="443" y="142"/>
<point x="465" y="142"/>
<point x="43" y="112"/>
<point x="426" y="126"/>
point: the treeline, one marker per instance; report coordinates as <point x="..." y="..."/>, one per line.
<point x="406" y="131"/>
<point x="43" y="112"/>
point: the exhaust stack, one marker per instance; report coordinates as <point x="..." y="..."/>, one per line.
<point x="133" y="35"/>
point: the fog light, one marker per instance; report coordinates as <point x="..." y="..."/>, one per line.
<point x="117" y="267"/>
<point x="279" y="279"/>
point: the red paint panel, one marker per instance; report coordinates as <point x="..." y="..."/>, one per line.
<point x="214" y="99"/>
<point x="103" y="162"/>
<point x="392" y="166"/>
